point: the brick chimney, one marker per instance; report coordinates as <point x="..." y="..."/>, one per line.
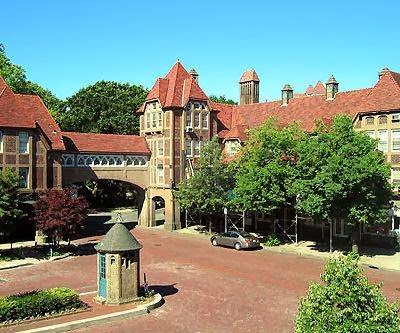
<point x="332" y="87"/>
<point x="194" y="74"/>
<point x="287" y="94"/>
<point x="249" y="87"/>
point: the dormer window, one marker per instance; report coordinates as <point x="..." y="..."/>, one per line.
<point x="233" y="147"/>
<point x="369" y="120"/>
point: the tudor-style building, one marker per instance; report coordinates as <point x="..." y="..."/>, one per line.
<point x="30" y="140"/>
<point x="175" y="119"/>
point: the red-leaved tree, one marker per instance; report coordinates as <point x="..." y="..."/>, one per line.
<point x="59" y="215"/>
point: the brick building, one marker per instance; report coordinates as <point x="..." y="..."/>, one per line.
<point x="175" y="119"/>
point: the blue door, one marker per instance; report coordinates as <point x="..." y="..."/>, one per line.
<point x="102" y="276"/>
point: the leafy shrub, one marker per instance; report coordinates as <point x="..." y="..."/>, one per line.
<point x="272" y="240"/>
<point x="38" y="303"/>
<point x="346" y="302"/>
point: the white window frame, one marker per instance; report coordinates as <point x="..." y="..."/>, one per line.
<point x="233" y="144"/>
<point x="20" y="135"/>
<point x="160" y="174"/>
<point x="189" y="118"/>
<point x="160" y="147"/>
<point x="189" y="144"/>
<point x="197" y="119"/>
<point x="395" y="139"/>
<point x="395" y="118"/>
<point x="148" y="120"/>
<point x="159" y="119"/>
<point x="204" y="120"/>
<point x="26" y="179"/>
<point x="383" y="144"/>
<point x="196" y="148"/>
<point x="1" y="141"/>
<point x="153" y="119"/>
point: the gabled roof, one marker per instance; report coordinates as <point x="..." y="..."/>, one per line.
<point x="248" y="76"/>
<point x="43" y="119"/>
<point x="105" y="143"/>
<point x="28" y="111"/>
<point x="175" y="89"/>
<point x="118" y="239"/>
<point x="237" y="132"/>
<point x="12" y="112"/>
<point x="319" y="89"/>
<point x="307" y="109"/>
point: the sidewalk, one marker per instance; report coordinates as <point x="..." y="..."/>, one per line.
<point x="376" y="257"/>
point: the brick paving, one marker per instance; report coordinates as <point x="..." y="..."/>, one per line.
<point x="206" y="289"/>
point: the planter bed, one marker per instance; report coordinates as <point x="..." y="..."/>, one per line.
<point x="38" y="304"/>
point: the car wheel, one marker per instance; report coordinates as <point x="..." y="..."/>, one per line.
<point x="214" y="242"/>
<point x="238" y="246"/>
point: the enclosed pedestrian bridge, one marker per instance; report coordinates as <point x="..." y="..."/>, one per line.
<point x="105" y="156"/>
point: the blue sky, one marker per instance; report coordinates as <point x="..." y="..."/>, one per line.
<point x="65" y="45"/>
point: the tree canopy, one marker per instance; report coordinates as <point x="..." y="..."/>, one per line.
<point x="222" y="99"/>
<point x="15" y="77"/>
<point x="267" y="167"/>
<point x="342" y="175"/>
<point x="206" y="191"/>
<point x="58" y="214"/>
<point x="346" y="302"/>
<point x="336" y="173"/>
<point x="104" y="107"/>
<point x="10" y="200"/>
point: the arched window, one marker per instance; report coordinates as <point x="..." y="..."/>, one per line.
<point x="369" y="120"/>
<point x="382" y="120"/>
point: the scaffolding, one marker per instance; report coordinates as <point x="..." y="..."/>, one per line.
<point x="234" y="221"/>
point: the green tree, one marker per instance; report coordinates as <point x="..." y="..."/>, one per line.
<point x="10" y="201"/>
<point x="222" y="99"/>
<point x="346" y="302"/>
<point x="206" y="191"/>
<point x="104" y="107"/>
<point x="266" y="167"/>
<point x="15" y="77"/>
<point x="343" y="176"/>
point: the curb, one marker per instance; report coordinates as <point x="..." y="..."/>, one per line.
<point x="103" y="319"/>
<point x="17" y="265"/>
<point x="66" y="255"/>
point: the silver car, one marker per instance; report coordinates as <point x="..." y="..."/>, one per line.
<point x="236" y="239"/>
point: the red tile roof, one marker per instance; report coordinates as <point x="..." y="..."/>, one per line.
<point x="306" y="109"/>
<point x="237" y="132"/>
<point x="43" y="119"/>
<point x="249" y="75"/>
<point x="12" y="112"/>
<point x="28" y="111"/>
<point x="105" y="143"/>
<point x="175" y="89"/>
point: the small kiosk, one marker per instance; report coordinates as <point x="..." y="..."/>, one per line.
<point x="118" y="259"/>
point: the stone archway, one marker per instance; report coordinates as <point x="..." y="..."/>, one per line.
<point x="157" y="213"/>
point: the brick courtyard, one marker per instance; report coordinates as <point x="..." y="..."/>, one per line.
<point x="206" y="289"/>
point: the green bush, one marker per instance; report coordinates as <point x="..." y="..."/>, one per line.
<point x="272" y="240"/>
<point x="38" y="303"/>
<point x="346" y="302"/>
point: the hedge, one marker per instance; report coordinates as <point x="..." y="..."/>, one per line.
<point x="38" y="303"/>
